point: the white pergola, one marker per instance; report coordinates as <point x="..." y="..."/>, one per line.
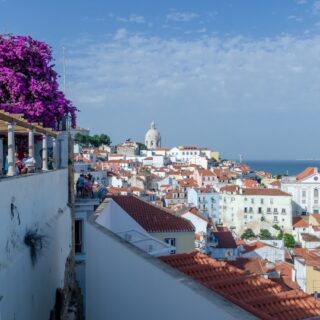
<point x="10" y="124"/>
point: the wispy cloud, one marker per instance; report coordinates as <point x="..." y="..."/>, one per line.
<point x="316" y="6"/>
<point x="132" y="18"/>
<point x="229" y="84"/>
<point x="182" y="16"/>
<point x="295" y="18"/>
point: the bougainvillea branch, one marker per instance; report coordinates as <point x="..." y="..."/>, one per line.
<point x="28" y="83"/>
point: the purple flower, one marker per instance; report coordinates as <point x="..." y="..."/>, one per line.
<point x="28" y="83"/>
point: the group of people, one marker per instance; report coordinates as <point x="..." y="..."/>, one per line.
<point x="24" y="165"/>
<point x="84" y="185"/>
<point x="87" y="187"/>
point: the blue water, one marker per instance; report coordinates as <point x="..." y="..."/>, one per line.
<point x="290" y="167"/>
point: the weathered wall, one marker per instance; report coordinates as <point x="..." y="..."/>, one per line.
<point x="122" y="282"/>
<point x="35" y="202"/>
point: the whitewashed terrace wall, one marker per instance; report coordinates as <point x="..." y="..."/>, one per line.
<point x="40" y="200"/>
<point x="122" y="283"/>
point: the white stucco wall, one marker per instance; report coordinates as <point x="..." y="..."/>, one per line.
<point x="124" y="283"/>
<point x="40" y="200"/>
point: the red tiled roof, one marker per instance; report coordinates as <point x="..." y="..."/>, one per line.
<point x="311" y="257"/>
<point x="188" y="182"/>
<point x="222" y="229"/>
<point x="229" y="188"/>
<point x="152" y="218"/>
<point x="306" y="173"/>
<point x="205" y="172"/>
<point x="196" y="213"/>
<point x="264" y="192"/>
<point x="250" y="183"/>
<point x="299" y="222"/>
<point x="261" y="297"/>
<point x="225" y="239"/>
<point x="276" y="183"/>
<point x="316" y="216"/>
<point x="254" y="246"/>
<point x="310" y="237"/>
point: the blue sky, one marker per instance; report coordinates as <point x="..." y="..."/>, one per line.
<point x="239" y="76"/>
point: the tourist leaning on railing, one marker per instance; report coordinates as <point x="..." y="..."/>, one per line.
<point x="29" y="164"/>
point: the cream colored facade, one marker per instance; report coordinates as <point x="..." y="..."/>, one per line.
<point x="312" y="279"/>
<point x="184" y="241"/>
<point x="215" y="155"/>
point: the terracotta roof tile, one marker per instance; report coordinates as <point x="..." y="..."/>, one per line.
<point x="225" y="239"/>
<point x="152" y="218"/>
<point x="264" y="192"/>
<point x="306" y="173"/>
<point x="261" y="297"/>
<point x="299" y="222"/>
<point x="310" y="237"/>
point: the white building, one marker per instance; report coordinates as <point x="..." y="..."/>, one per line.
<point x="266" y="250"/>
<point x="125" y="282"/>
<point x="152" y="137"/>
<point x="35" y="227"/>
<point x="207" y="202"/>
<point x="256" y="208"/>
<point x="305" y="189"/>
<point x="190" y="155"/>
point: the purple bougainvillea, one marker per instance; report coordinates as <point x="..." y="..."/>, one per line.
<point x="28" y="83"/>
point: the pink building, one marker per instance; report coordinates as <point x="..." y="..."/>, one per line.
<point x="204" y="177"/>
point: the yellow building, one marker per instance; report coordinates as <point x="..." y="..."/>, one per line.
<point x="307" y="269"/>
<point x="215" y="155"/>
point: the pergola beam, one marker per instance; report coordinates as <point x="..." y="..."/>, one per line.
<point x="19" y="121"/>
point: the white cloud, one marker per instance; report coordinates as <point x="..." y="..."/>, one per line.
<point x="182" y="16"/>
<point x="301" y="1"/>
<point x="120" y="34"/>
<point x="295" y="18"/>
<point x="316" y="6"/>
<point x="232" y="87"/>
<point x="132" y="18"/>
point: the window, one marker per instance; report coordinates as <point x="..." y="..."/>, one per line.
<point x="316" y="194"/>
<point x="259" y="210"/>
<point x="275" y="218"/>
<point x="304" y="193"/>
<point x="275" y="210"/>
<point x="268" y="210"/>
<point x="78" y="236"/>
<point x="283" y="211"/>
<point x="245" y="209"/>
<point x="261" y="201"/>
<point x="250" y="209"/>
<point x="271" y="201"/>
<point x="171" y="242"/>
<point x="252" y="201"/>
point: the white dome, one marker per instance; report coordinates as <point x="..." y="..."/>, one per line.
<point x="152" y="137"/>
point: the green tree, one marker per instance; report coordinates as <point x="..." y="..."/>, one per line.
<point x="95" y="140"/>
<point x="289" y="241"/>
<point x="280" y="235"/>
<point x="265" y="234"/>
<point x="80" y="138"/>
<point x="105" y="139"/>
<point x="248" y="233"/>
<point x="142" y="146"/>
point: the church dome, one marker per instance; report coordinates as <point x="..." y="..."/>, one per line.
<point x="152" y="137"/>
